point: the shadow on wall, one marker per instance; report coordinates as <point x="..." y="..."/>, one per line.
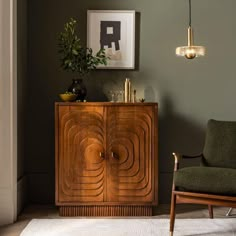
<point x="176" y="134"/>
<point x="150" y="94"/>
<point x="96" y="93"/>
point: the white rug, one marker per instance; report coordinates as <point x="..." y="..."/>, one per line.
<point x="129" y="227"/>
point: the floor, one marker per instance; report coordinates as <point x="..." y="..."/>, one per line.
<point x="162" y="211"/>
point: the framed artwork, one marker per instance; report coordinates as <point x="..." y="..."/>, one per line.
<point x="113" y="31"/>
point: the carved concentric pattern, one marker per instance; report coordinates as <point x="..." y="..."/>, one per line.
<point x="131" y="161"/>
<point x="81" y="164"/>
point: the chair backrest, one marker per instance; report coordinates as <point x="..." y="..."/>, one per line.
<point x="220" y="144"/>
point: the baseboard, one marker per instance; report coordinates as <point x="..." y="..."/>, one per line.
<point x="22" y="194"/>
<point x="41" y="188"/>
<point x="7" y="206"/>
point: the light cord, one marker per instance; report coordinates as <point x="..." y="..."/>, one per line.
<point x="190" y="14"/>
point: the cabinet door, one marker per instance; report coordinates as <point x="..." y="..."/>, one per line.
<point x="80" y="145"/>
<point x="130" y="150"/>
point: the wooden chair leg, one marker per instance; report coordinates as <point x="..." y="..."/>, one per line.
<point x="229" y="212"/>
<point x="172" y="213"/>
<point x="210" y="209"/>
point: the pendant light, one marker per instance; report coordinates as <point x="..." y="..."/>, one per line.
<point x="191" y="51"/>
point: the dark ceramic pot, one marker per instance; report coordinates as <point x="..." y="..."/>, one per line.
<point x="78" y="88"/>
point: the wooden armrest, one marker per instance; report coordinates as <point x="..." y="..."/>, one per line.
<point x="178" y="157"/>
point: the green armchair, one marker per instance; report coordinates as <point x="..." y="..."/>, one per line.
<point x="214" y="181"/>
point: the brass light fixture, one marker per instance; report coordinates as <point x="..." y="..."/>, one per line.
<point x="191" y="51"/>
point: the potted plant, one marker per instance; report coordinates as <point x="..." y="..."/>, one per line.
<point x="76" y="58"/>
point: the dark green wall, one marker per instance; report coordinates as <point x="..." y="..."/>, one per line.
<point x="188" y="92"/>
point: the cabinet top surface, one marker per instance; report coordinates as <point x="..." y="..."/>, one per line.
<point x="105" y="103"/>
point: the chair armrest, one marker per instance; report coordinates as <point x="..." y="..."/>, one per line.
<point x="178" y="157"/>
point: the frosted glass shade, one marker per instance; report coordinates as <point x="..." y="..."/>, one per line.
<point x="190" y="52"/>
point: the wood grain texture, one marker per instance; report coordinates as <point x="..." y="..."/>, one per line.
<point x="199" y="199"/>
<point x="81" y="168"/>
<point x="106" y="155"/>
<point x="130" y="156"/>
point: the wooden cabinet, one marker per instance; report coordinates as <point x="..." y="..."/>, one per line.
<point x="106" y="158"/>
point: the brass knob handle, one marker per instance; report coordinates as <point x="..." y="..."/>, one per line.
<point x="101" y="154"/>
<point x="114" y="155"/>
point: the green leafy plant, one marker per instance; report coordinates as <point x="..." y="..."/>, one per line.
<point x="74" y="57"/>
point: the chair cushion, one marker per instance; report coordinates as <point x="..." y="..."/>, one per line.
<point x="213" y="180"/>
<point x="220" y="144"/>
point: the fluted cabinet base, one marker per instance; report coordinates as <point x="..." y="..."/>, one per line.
<point x="105" y="210"/>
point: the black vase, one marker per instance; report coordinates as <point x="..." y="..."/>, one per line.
<point x="78" y="88"/>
